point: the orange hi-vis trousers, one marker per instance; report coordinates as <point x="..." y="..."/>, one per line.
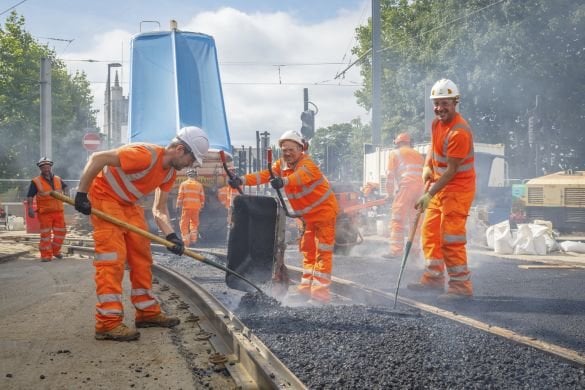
<point x="51" y="222"/>
<point x="444" y="239"/>
<point x="189" y="225"/>
<point x="403" y="214"/>
<point x="316" y="245"/>
<point x="114" y="246"/>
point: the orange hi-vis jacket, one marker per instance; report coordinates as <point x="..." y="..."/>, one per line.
<point x="45" y="202"/>
<point x="140" y="173"/>
<point x="404" y="168"/>
<point x="307" y="190"/>
<point x="453" y="139"/>
<point x="191" y="195"/>
<point x="224" y="195"/>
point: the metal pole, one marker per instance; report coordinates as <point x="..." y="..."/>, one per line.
<point x="376" y="74"/>
<point x="46" y="147"/>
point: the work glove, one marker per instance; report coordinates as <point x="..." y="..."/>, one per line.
<point x="236" y="182"/>
<point x="179" y="247"/>
<point x="427" y="173"/>
<point x="82" y="204"/>
<point x="423" y="202"/>
<point x="31" y="212"/>
<point x="277" y="183"/>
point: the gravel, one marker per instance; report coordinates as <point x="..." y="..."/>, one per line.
<point x="358" y="347"/>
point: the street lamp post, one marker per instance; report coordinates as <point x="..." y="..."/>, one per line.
<point x="109" y="102"/>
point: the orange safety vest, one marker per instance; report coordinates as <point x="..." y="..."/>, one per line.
<point x="140" y="173"/>
<point x="224" y="195"/>
<point x="453" y="139"/>
<point x="45" y="202"/>
<point x="405" y="168"/>
<point x="308" y="190"/>
<point x="191" y="195"/>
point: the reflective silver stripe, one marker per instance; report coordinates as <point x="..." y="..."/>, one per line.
<point x="308" y="171"/>
<point x="258" y="178"/>
<point x="325" y="247"/>
<point x="454" y="239"/>
<point x="141" y="174"/>
<point x="430" y="262"/>
<point x="44" y="230"/>
<point x="457" y="269"/>
<point x="322" y="275"/>
<point x="462" y="278"/>
<point x="315" y="204"/>
<point x="106" y="312"/>
<point x="103" y="298"/>
<point x="305" y="190"/>
<point x="60" y="229"/>
<point x="106" y="256"/>
<point x="145" y="304"/>
<point x="396" y="218"/>
<point x="141" y="291"/>
<point x="128" y="179"/>
<point x="114" y="184"/>
<point x="45" y="239"/>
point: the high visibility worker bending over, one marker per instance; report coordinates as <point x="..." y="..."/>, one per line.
<point x="50" y="210"/>
<point x="449" y="164"/>
<point x="116" y="179"/>
<point x="404" y="186"/>
<point x="191" y="199"/>
<point x="312" y="198"/>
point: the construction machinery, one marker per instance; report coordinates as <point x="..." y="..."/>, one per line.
<point x="175" y="82"/>
<point x="558" y="198"/>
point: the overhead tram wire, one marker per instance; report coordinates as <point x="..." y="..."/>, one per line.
<point x="14" y="6"/>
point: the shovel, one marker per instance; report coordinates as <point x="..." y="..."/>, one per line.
<point x="407" y="248"/>
<point x="153" y="237"/>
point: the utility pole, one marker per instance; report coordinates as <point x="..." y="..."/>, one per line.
<point x="376" y="74"/>
<point x="46" y="147"/>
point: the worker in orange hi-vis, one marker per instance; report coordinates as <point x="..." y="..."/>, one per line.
<point x="50" y="210"/>
<point x="311" y="197"/>
<point x="404" y="187"/>
<point x="116" y="180"/>
<point x="449" y="164"/>
<point x="191" y="199"/>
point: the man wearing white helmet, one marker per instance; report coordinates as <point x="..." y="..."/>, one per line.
<point x="190" y="201"/>
<point x="404" y="186"/>
<point x="113" y="181"/>
<point x="50" y="210"/>
<point x="313" y="200"/>
<point x="449" y="165"/>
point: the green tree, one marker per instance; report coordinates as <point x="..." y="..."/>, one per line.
<point x="502" y="55"/>
<point x="20" y="106"/>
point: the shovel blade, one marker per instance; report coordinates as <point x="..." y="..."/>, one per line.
<point x="252" y="240"/>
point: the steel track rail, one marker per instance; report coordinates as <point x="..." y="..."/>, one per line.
<point x="251" y="364"/>
<point x="369" y="296"/>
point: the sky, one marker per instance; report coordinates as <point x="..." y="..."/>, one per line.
<point x="268" y="51"/>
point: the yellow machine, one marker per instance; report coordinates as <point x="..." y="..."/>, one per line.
<point x="559" y="198"/>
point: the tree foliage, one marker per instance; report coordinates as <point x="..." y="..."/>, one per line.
<point x="502" y="55"/>
<point x="20" y="59"/>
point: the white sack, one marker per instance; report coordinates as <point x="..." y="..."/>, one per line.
<point x="530" y="240"/>
<point x="502" y="238"/>
<point x="573" y="246"/>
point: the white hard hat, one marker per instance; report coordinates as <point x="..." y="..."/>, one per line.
<point x="444" y="88"/>
<point x="191" y="173"/>
<point x="44" y="161"/>
<point x="196" y="139"/>
<point x="291" y="135"/>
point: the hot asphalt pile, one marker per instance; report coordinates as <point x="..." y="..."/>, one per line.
<point x="370" y="347"/>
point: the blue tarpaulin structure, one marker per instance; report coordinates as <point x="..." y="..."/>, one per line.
<point x="175" y="82"/>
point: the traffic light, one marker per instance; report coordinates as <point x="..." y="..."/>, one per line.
<point x="308" y="124"/>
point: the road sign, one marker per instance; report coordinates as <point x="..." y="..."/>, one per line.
<point x="92" y="141"/>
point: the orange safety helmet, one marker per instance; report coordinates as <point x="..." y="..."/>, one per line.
<point x="402" y="137"/>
